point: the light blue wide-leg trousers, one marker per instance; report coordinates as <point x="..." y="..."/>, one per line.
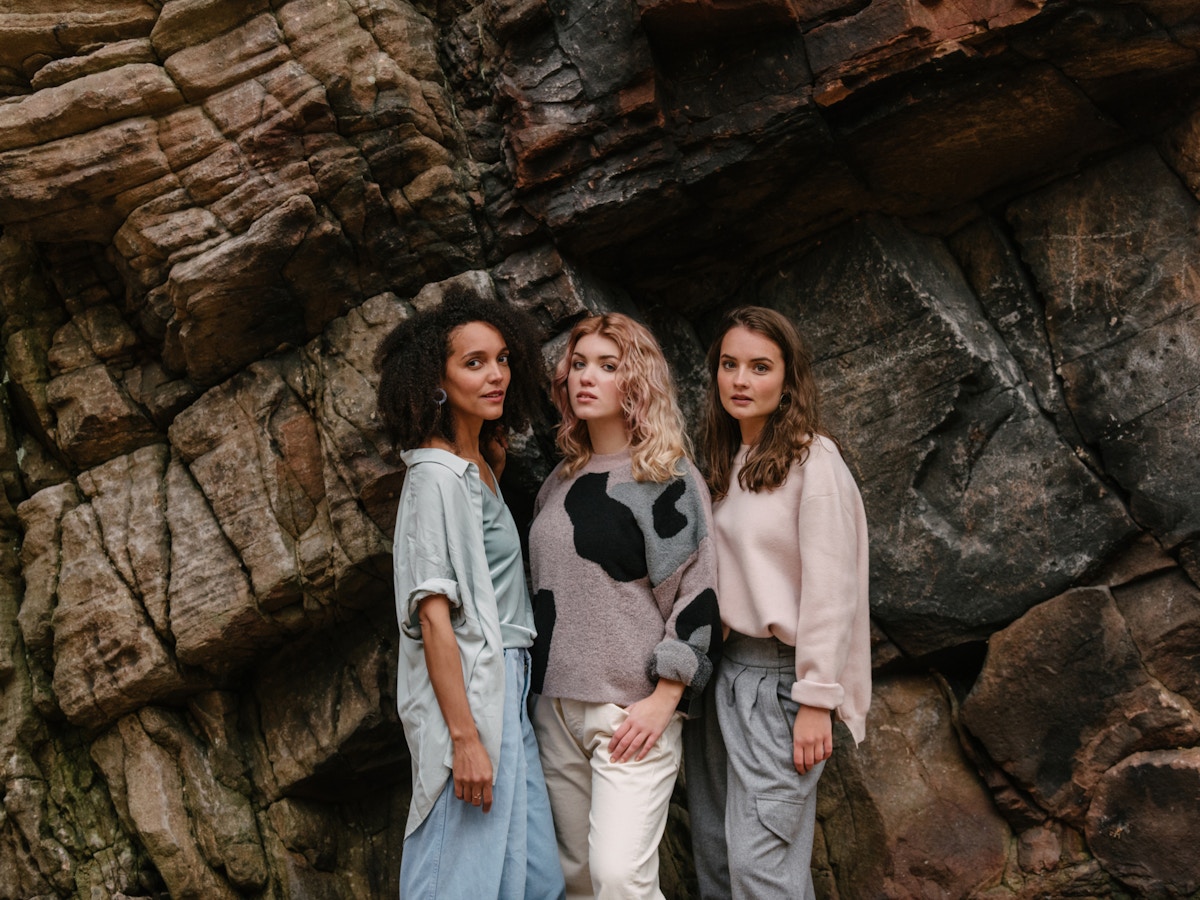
<point x="508" y="853"/>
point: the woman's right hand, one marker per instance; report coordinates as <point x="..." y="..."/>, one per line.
<point x="472" y="773"/>
<point x="812" y="737"/>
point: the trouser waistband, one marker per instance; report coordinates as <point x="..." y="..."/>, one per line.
<point x="763" y="653"/>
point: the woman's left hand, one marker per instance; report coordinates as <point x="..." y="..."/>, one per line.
<point x="812" y="737"/>
<point x="647" y="719"/>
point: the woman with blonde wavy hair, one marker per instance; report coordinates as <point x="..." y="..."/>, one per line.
<point x="625" y="608"/>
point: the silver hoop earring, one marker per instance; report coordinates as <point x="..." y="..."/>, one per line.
<point x="785" y="401"/>
<point x="440" y="396"/>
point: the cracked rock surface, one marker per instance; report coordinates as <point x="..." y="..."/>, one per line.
<point x="983" y="216"/>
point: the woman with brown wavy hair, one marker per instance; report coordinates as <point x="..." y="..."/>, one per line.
<point x="791" y="539"/>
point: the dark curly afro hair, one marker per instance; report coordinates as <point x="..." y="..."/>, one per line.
<point x="411" y="361"/>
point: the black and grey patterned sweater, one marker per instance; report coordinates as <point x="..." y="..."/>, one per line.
<point x="624" y="583"/>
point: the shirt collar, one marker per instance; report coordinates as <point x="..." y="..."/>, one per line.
<point x="456" y="464"/>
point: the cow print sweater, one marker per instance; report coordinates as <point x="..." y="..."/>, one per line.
<point x="624" y="584"/>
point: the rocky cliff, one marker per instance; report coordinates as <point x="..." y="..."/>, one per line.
<point x="983" y="214"/>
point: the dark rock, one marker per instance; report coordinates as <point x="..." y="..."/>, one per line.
<point x="1064" y="697"/>
<point x="958" y="474"/>
<point x="1112" y="250"/>
<point x="343" y="740"/>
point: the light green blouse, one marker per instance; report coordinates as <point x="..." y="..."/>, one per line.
<point x="439" y="549"/>
<point x="502" y="546"/>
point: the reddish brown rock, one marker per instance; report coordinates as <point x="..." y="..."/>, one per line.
<point x="1163" y="614"/>
<point x="128" y="500"/>
<point x="152" y="786"/>
<point x="97" y="333"/>
<point x="251" y="446"/>
<point x="44" y="193"/>
<point x="256" y="180"/>
<point x="88" y="102"/>
<point x="880" y="39"/>
<point x="102" y="58"/>
<point x="32" y="38"/>
<point x="984" y="105"/>
<point x="1026" y="119"/>
<point x="1143" y="819"/>
<point x="1058" y="735"/>
<point x="229" y="57"/>
<point x="108" y="659"/>
<point x="303" y="430"/>
<point x="41" y="561"/>
<point x="95" y="419"/>
<point x="1040" y="849"/>
<point x="215" y="618"/>
<point x="904" y="815"/>
<point x="249" y="310"/>
<point x="361" y="486"/>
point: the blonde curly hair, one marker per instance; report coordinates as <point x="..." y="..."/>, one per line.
<point x="658" y="441"/>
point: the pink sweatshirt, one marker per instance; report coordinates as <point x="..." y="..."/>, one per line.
<point x="793" y="563"/>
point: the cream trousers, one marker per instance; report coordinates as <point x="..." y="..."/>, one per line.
<point x="608" y="817"/>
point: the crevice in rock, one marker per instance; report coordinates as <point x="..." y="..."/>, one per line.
<point x="1087" y="453"/>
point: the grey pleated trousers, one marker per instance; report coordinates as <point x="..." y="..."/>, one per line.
<point x="752" y="814"/>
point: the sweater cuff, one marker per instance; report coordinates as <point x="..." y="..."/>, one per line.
<point x="823" y="696"/>
<point x="678" y="660"/>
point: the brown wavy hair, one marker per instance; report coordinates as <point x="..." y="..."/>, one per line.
<point x="789" y="430"/>
<point x="657" y="440"/>
<point x="411" y="361"/>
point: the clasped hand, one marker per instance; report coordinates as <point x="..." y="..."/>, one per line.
<point x="645" y="721"/>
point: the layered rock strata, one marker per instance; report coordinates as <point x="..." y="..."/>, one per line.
<point x="982" y="215"/>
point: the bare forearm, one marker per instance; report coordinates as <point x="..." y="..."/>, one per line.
<point x="445" y="668"/>
<point x="472" y="766"/>
<point x="668" y="692"/>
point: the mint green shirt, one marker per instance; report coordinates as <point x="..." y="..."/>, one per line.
<point x="439" y="549"/>
<point x="502" y="547"/>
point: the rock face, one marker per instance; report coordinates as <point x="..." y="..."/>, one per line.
<point x="982" y="215"/>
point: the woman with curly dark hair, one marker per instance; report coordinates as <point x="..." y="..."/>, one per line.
<point x="454" y="379"/>
<point x="791" y="538"/>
